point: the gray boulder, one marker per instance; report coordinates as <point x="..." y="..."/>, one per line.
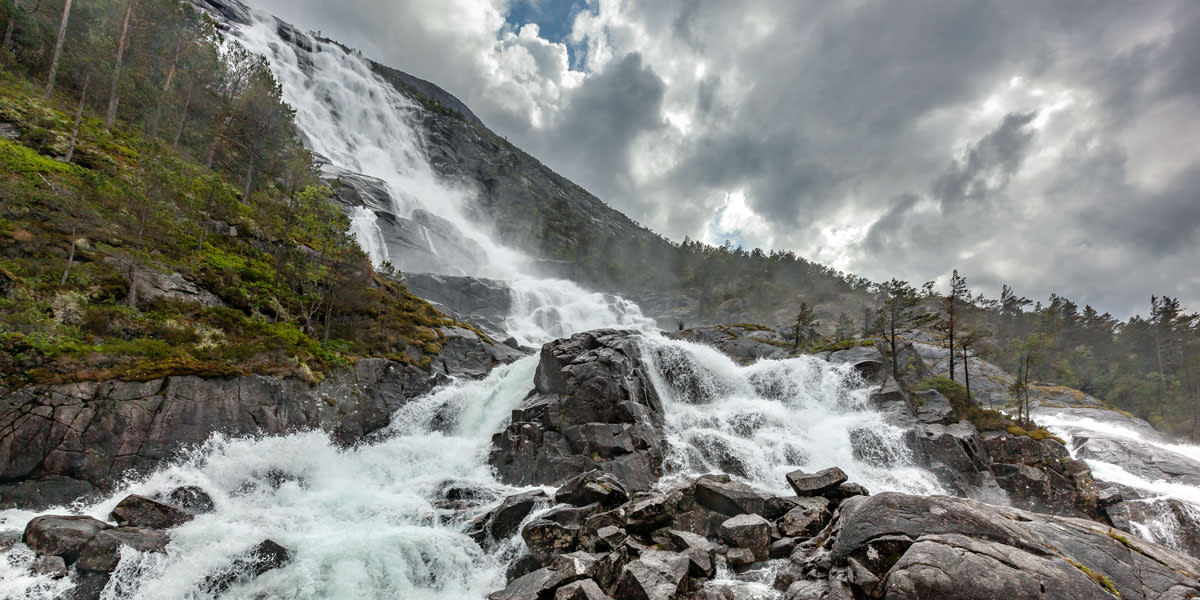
<point x="815" y="484"/>
<point x="592" y="486"/>
<point x="103" y="551"/>
<point x="585" y="589"/>
<point x="656" y="575"/>
<point x="729" y="497"/>
<point x="262" y="557"/>
<point x="61" y="536"/>
<point x="140" y="511"/>
<point x="751" y="532"/>
<point x="806" y="519"/>
<point x="593" y="407"/>
<point x="503" y="521"/>
<point x="547" y="539"/>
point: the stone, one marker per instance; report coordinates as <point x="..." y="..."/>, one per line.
<point x="815" y="484"/>
<point x="53" y="566"/>
<point x="594" y="406"/>
<point x="538" y="584"/>
<point x="575" y="565"/>
<point x="502" y="522"/>
<point x="140" y="511"/>
<point x="751" y="532"/>
<point x="700" y="552"/>
<point x="729" y="497"/>
<point x="740" y="559"/>
<point x="61" y="536"/>
<point x="844" y="491"/>
<point x="44" y="492"/>
<point x="806" y="519"/>
<point x="648" y="513"/>
<point x="590" y="487"/>
<point x="585" y="589"/>
<point x="609" y="537"/>
<point x="656" y="575"/>
<point x="103" y="552"/>
<point x="783" y="547"/>
<point x="547" y="539"/>
<point x="262" y="557"/>
<point x="570" y="515"/>
<point x="192" y="499"/>
<point x="933" y="407"/>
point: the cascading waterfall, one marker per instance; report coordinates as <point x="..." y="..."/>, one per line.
<point x="364" y="227"/>
<point x="759" y="422"/>
<point x="1170" y="507"/>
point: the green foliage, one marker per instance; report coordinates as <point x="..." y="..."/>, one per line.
<point x="955" y="392"/>
<point x="288" y="292"/>
<point x="1101" y="579"/>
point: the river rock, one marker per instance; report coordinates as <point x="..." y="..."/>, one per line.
<point x="751" y="532"/>
<point x="103" y="551"/>
<point x="192" y="499"/>
<point x="592" y="486"/>
<point x="263" y="557"/>
<point x="656" y="575"/>
<point x="806" y="519"/>
<point x="61" y="536"/>
<point x="729" y="497"/>
<point x="531" y="586"/>
<point x="593" y="407"/>
<point x="815" y="484"/>
<point x="52" y="566"/>
<point x="954" y="548"/>
<point x="140" y="511"/>
<point x="547" y="539"/>
<point x="585" y="589"/>
<point x="503" y="521"/>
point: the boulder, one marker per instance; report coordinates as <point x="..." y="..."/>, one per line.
<point x="585" y="589"/>
<point x="932" y="407"/>
<point x="700" y="552"/>
<point x="547" y="539"/>
<point x="262" y="557"/>
<point x="740" y="559"/>
<point x="869" y="363"/>
<point x="140" y="511"/>
<point x="656" y="575"/>
<point x="571" y="515"/>
<point x="897" y="546"/>
<point x="751" y="532"/>
<point x="103" y="551"/>
<point x="815" y="484"/>
<point x="52" y="566"/>
<point x="502" y="522"/>
<point x="651" y="511"/>
<point x="806" y="519"/>
<point x="729" y="497"/>
<point x="61" y="536"/>
<point x="592" y="486"/>
<point x="593" y="407"/>
<point x="531" y="586"/>
<point x="192" y="499"/>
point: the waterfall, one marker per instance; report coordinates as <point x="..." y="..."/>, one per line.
<point x="1158" y="477"/>
<point x="759" y="422"/>
<point x="364" y="227"/>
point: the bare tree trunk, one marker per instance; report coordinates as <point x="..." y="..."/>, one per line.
<point x="58" y="46"/>
<point x="166" y="91"/>
<point x="114" y="97"/>
<point x="187" y="104"/>
<point x="952" y="319"/>
<point x="966" y="374"/>
<point x="131" y="299"/>
<point x="12" y="22"/>
<point x="78" y="119"/>
<point x="328" y="315"/>
<point x="70" y="259"/>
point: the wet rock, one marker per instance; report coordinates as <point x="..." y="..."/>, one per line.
<point x="751" y="532"/>
<point x="846" y="490"/>
<point x="593" y="407"/>
<point x="592" y="486"/>
<point x="547" y="539"/>
<point x="729" y="497"/>
<point x="585" y="589"/>
<point x="192" y="499"/>
<point x="740" y="559"/>
<point x="1041" y="476"/>
<point x="869" y="363"/>
<point x="700" y="552"/>
<point x="783" y="547"/>
<point x="52" y="566"/>
<point x="38" y="494"/>
<point x="502" y="522"/>
<point x="263" y="557"/>
<point x="140" y="511"/>
<point x="656" y="575"/>
<point x="806" y="519"/>
<point x="61" y="536"/>
<point x="650" y="512"/>
<point x="608" y="538"/>
<point x="103" y="551"/>
<point x="815" y="484"/>
<point x="89" y="585"/>
<point x="954" y="548"/>
<point x="536" y="585"/>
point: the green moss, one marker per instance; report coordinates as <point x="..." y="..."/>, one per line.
<point x="1101" y="579"/>
<point x="952" y="390"/>
<point x="844" y="345"/>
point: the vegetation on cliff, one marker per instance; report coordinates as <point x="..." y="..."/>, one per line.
<point x="159" y="215"/>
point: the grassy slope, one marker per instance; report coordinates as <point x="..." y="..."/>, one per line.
<point x="133" y="202"/>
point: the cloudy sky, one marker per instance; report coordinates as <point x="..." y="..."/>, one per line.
<point x="1053" y="146"/>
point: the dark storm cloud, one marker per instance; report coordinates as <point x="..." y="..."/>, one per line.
<point x="1048" y="145"/>
<point x="988" y="165"/>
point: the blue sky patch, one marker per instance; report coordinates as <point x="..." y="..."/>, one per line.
<point x="554" y="18"/>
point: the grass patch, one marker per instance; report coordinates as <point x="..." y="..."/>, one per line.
<point x="1101" y="579"/>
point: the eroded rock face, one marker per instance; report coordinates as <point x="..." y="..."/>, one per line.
<point x="103" y="551"/>
<point x="896" y="546"/>
<point x="593" y="407"/>
<point x="68" y="439"/>
<point x="140" y="511"/>
<point x="744" y="344"/>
